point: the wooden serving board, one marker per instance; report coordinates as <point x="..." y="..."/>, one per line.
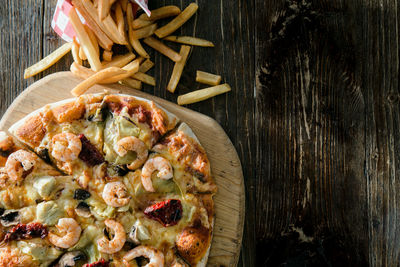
<point x="225" y="164"/>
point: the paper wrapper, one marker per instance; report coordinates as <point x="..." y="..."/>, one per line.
<point x="63" y="27"/>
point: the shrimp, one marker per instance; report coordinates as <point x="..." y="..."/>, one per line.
<point x="156" y="257"/>
<point x="115" y="194"/>
<point x="114" y="245"/>
<point x="164" y="171"/>
<point x="71" y="233"/>
<point x="13" y="257"/>
<point x="132" y="143"/>
<point x="18" y="162"/>
<point x="66" y="147"/>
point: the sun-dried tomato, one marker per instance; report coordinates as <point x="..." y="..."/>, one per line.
<point x="26" y="231"/>
<point x="167" y="212"/>
<point x="100" y="263"/>
<point x="89" y="153"/>
<point x="143" y="115"/>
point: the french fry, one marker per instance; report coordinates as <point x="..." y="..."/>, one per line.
<point x="140" y="23"/>
<point x="207" y="78"/>
<point x="129" y="15"/>
<point x="146" y="66"/>
<point x="203" y="94"/>
<point x="103" y="7"/>
<point x="144" y="32"/>
<point x="95" y="3"/>
<point x="119" y="61"/>
<point x="48" y="61"/>
<point x="147" y="79"/>
<point x="137" y="46"/>
<point x="81" y="71"/>
<point x="107" y="55"/>
<point x="112" y="27"/>
<point x="85" y="41"/>
<point x="82" y="54"/>
<point x="119" y="16"/>
<point x="189" y="40"/>
<point x="104" y="40"/>
<point x="178" y="68"/>
<point x="93" y="39"/>
<point x="162" y="48"/>
<point x="95" y="79"/>
<point x="161" y="13"/>
<point x="130" y="69"/>
<point x="135" y="84"/>
<point x="124" y="5"/>
<point x="85" y="73"/>
<point x="177" y="22"/>
<point x="107" y="25"/>
<point x="75" y="52"/>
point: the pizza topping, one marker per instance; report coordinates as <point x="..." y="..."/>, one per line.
<point x="100" y="263"/>
<point x="48" y="212"/>
<point x="131" y="143"/>
<point x="70" y="231"/>
<point x="159" y="164"/>
<point x="121" y="170"/>
<point x="138" y="233"/>
<point x="19" y="163"/>
<point x="156" y="258"/>
<point x="89" y="154"/>
<point x="115" y="244"/>
<point x="70" y="259"/>
<point x="44" y="185"/>
<point x="66" y="147"/>
<point x="83" y="210"/>
<point x="167" y="212"/>
<point x="10" y="218"/>
<point x="115" y="194"/>
<point x="26" y="231"/>
<point x="81" y="194"/>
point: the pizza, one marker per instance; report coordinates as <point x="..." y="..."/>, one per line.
<point x="104" y="180"/>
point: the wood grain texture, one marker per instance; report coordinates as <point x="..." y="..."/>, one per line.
<point x="225" y="164"/>
<point x="327" y="97"/>
<point x="313" y="114"/>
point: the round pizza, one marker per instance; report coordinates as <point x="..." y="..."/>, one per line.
<point x="104" y="180"/>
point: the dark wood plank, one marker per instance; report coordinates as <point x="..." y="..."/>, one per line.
<point x="20" y="45"/>
<point x="327" y="75"/>
<point x="51" y="41"/>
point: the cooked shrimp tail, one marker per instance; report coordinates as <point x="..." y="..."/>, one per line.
<point x="159" y="164"/>
<point x="156" y="258"/>
<point x="70" y="230"/>
<point x="114" y="245"/>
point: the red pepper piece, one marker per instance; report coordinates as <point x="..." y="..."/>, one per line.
<point x="167" y="212"/>
<point x="100" y="263"/>
<point x="26" y="231"/>
<point x="89" y="153"/>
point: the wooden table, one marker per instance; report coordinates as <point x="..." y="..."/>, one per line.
<point x="314" y="115"/>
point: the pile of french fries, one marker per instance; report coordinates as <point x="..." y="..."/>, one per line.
<point x="111" y="23"/>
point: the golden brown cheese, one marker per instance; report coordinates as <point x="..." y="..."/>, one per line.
<point x="193" y="242"/>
